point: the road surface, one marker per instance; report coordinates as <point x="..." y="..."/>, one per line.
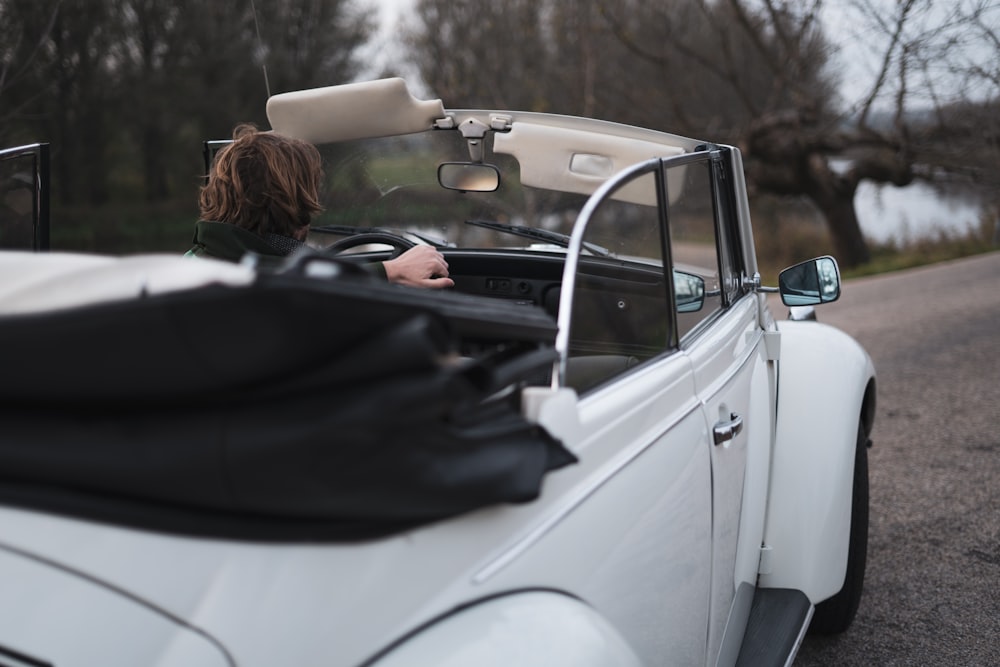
<point x="932" y="591"/>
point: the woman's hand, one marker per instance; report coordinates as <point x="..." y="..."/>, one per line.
<point x="420" y="266"/>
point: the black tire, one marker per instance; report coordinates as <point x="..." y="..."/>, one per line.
<point x="835" y="615"/>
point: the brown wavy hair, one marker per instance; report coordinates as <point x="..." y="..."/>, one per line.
<point x="263" y="182"/>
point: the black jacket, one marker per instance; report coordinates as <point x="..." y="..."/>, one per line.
<point x="221" y="240"/>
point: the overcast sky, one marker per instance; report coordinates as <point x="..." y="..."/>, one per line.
<point x="860" y="48"/>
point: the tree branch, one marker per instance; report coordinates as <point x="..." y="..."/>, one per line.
<point x="897" y="34"/>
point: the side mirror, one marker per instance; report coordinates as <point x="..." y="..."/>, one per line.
<point x="469" y="176"/>
<point x="689" y="292"/>
<point x="810" y="283"/>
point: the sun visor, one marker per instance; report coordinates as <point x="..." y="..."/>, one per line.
<point x="571" y="160"/>
<point x="379" y="108"/>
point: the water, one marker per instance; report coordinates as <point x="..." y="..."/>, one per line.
<point x="918" y="211"/>
<point x="913" y="212"/>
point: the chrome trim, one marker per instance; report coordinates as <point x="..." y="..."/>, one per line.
<point x="576" y="245"/>
<point x="725" y="431"/>
<point x="753" y="283"/>
<point x="573" y="252"/>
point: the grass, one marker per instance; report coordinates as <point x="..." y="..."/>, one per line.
<point x="894" y="257"/>
<point x="786" y="233"/>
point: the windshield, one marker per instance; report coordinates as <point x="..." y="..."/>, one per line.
<point x="391" y="184"/>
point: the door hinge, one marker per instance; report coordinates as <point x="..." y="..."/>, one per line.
<point x="764" y="567"/>
<point x="772" y="345"/>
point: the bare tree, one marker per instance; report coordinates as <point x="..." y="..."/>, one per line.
<point x="152" y="39"/>
<point x="24" y="28"/>
<point x="144" y="81"/>
<point x="77" y="115"/>
<point x="760" y="74"/>
<point x="774" y="56"/>
<point x="769" y="67"/>
<point x="957" y="59"/>
<point x="485" y="54"/>
<point x="212" y="63"/>
<point x="65" y="90"/>
<point x="312" y="43"/>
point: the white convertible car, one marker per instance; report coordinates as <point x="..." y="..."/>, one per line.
<point x="600" y="448"/>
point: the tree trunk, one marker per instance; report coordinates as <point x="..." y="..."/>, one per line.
<point x="154" y="167"/>
<point x="834" y="194"/>
<point x="842" y="221"/>
<point x="95" y="143"/>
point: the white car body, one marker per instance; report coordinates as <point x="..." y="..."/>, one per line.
<point x="650" y="549"/>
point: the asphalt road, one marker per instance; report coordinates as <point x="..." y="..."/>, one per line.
<point x="932" y="590"/>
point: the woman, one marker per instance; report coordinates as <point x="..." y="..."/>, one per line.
<point x="261" y="194"/>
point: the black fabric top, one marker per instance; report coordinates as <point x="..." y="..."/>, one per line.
<point x="291" y="409"/>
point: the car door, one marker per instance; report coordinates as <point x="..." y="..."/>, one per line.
<point x="646" y="521"/>
<point x="24" y="197"/>
<point x="725" y="345"/>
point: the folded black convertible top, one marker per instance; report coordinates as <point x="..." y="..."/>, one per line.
<point x="289" y="409"/>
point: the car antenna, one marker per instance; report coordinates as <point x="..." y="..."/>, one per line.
<point x="260" y="47"/>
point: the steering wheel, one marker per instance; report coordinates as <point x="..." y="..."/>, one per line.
<point x="399" y="243"/>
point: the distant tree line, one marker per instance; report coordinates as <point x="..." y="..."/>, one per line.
<point x="125" y="90"/>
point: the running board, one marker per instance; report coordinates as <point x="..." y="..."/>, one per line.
<point x="778" y="621"/>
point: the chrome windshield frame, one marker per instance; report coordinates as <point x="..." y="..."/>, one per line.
<point x="576" y="246"/>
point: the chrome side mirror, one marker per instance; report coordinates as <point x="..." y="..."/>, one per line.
<point x="469" y="176"/>
<point x="810" y="283"/>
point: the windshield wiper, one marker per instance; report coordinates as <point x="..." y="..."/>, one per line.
<point x="556" y="238"/>
<point x="349" y="230"/>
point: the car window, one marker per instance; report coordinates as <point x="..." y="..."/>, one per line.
<point x="694" y="243"/>
<point x="24" y="198"/>
<point x="391" y="183"/>
<point x="621" y="316"/>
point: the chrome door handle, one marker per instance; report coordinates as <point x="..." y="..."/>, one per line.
<point x="726" y="431"/>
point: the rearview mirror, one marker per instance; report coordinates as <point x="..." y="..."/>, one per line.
<point x="810" y="283"/>
<point x="469" y="176"/>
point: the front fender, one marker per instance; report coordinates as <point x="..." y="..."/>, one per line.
<point x="530" y="628"/>
<point x="825" y="385"/>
